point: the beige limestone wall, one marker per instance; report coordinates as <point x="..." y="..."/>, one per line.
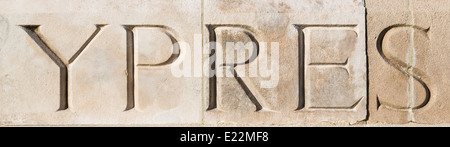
<point x="407" y="49"/>
<point x="224" y="63"/>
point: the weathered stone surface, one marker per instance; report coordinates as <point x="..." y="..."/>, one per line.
<point x="322" y="62"/>
<point x="71" y="62"/>
<point x="407" y="49"/>
<point x="108" y="62"/>
<point x="224" y="62"/>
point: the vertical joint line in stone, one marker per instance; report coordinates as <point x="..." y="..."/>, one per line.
<point x="366" y="50"/>
<point x="203" y="43"/>
<point x="411" y="64"/>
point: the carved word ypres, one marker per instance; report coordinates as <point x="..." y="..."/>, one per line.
<point x="33" y="32"/>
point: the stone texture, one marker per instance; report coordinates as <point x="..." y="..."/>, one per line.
<point x="108" y="62"/>
<point x="407" y="49"/>
<point x="282" y="62"/>
<point x="322" y="62"/>
<point x="92" y="40"/>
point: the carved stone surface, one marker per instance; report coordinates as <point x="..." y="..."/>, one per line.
<point x="407" y="49"/>
<point x="97" y="62"/>
<point x="224" y="62"/>
<point x="322" y="63"/>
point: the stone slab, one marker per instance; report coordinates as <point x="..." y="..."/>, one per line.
<point x="96" y="62"/>
<point x="290" y="62"/>
<point x="320" y="46"/>
<point x="408" y="49"/>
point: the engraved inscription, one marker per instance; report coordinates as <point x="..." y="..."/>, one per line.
<point x="231" y="33"/>
<point x="33" y="32"/>
<point x="196" y="62"/>
<point x="142" y="41"/>
<point x="325" y="76"/>
<point x="402" y="57"/>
